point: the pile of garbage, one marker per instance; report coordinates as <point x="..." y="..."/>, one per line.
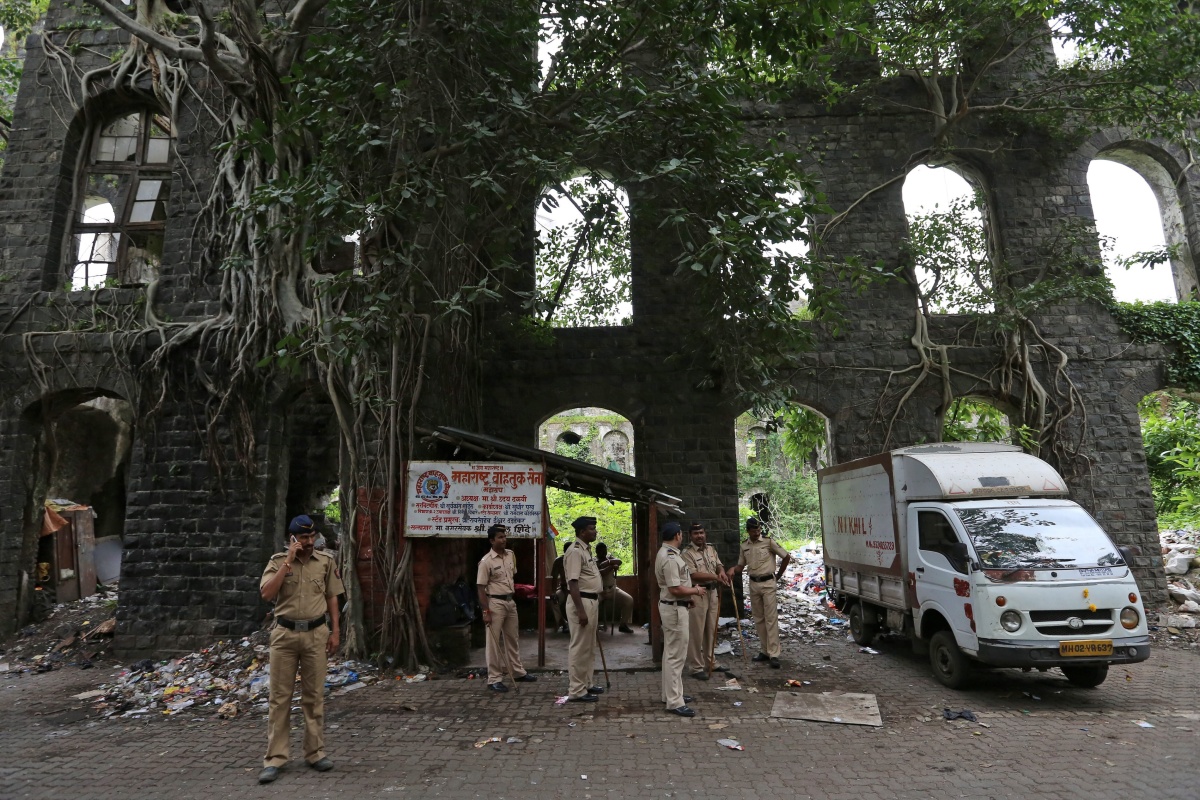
<point x="1180" y="562"/>
<point x="75" y="634"/>
<point x="805" y="613"/>
<point x="227" y="679"/>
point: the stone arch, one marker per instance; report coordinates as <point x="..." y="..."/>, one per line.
<point x="1164" y="173"/>
<point x="69" y="440"/>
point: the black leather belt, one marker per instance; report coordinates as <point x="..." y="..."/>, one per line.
<point x="301" y="625"/>
<point x="761" y="578"/>
<point x="501" y="596"/>
<point x="589" y="595"/>
<point x="676" y="602"/>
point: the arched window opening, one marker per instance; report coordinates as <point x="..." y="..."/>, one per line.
<point x="947" y="242"/>
<point x="778" y="457"/>
<point x="976" y="419"/>
<point x="1141" y="226"/>
<point x="604" y="438"/>
<point x="583" y="257"/>
<point x="795" y="250"/>
<point x="121" y="207"/>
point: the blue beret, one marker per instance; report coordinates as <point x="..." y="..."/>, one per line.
<point x="302" y="524"/>
<point x="671" y="530"/>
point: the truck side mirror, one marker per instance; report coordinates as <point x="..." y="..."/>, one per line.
<point x="1128" y="553"/>
<point x="958" y="552"/>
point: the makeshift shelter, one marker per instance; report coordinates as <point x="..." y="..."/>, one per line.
<point x="647" y="498"/>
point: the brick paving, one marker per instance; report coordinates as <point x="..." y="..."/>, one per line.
<point x="1043" y="738"/>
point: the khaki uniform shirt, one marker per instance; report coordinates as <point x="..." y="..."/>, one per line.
<point x="305" y="593"/>
<point x="705" y="560"/>
<point x="670" y="570"/>
<point x="759" y="557"/>
<point x="580" y="565"/>
<point x="496" y="572"/>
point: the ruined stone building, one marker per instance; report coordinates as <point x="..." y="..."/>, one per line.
<point x="192" y="553"/>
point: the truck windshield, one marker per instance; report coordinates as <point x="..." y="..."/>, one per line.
<point x="1061" y="537"/>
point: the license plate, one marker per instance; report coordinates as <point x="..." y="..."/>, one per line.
<point x="1092" y="647"/>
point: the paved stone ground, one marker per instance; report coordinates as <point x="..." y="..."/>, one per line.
<point x="1043" y="738"/>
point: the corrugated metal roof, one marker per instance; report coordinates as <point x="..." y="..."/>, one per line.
<point x="563" y="472"/>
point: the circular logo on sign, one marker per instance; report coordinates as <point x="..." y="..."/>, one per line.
<point x="433" y="485"/>
<point x="1074" y="623"/>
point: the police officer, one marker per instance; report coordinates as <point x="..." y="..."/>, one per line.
<point x="494" y="583"/>
<point x="707" y="571"/>
<point x="619" y="600"/>
<point x="757" y="557"/>
<point x="583" y="585"/>
<point x="675" y="596"/>
<point x="304" y="585"/>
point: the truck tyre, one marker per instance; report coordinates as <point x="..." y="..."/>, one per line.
<point x="1088" y="677"/>
<point x="861" y="631"/>
<point x="950" y="666"/>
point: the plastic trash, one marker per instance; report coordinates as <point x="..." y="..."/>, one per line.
<point x="732" y="744"/>
<point x="964" y="714"/>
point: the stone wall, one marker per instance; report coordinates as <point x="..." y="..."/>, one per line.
<point x="195" y="542"/>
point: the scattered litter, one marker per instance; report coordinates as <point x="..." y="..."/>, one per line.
<point x="88" y="695"/>
<point x="228" y="711"/>
<point x="732" y="744"/>
<point x="716" y="726"/>
<point x="731" y="685"/>
<point x="737" y="704"/>
<point x="488" y="740"/>
<point x="1141" y="723"/>
<point x="513" y="740"/>
<point x="562" y="701"/>
<point x="1031" y="695"/>
<point x="724" y="648"/>
<point x="969" y="716"/>
<point x="583" y="777"/>
<point x="870" y="650"/>
<point x="415" y="678"/>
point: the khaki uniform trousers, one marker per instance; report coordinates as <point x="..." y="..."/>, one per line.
<point x="503" y="650"/>
<point x="675" y="647"/>
<point x="289" y="650"/>
<point x="624" y="603"/>
<point x="559" y="606"/>
<point x="764" y="607"/>
<point x="702" y="624"/>
<point x="581" y="656"/>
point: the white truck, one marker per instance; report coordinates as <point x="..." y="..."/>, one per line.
<point x="974" y="553"/>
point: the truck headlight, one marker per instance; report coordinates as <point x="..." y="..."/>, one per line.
<point x="1011" y="621"/>
<point x="1130" y="617"/>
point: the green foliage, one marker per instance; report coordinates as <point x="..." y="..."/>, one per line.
<point x="791" y="491"/>
<point x="614" y="521"/>
<point x="971" y="420"/>
<point x="804" y="437"/>
<point x="1171" y="435"/>
<point x="949" y="252"/>
<point x="1175" y="324"/>
<point x="333" y="508"/>
<point x="18" y="18"/>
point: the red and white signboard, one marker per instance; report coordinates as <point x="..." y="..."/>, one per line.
<point x="462" y="499"/>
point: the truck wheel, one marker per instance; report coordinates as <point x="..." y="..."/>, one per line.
<point x="861" y="631"/>
<point x="950" y="666"/>
<point x="1089" y="677"/>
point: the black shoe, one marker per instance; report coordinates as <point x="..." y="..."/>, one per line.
<point x="625" y="629"/>
<point x="322" y="764"/>
<point x="682" y="711"/>
<point x="687" y="698"/>
<point x="268" y="774"/>
<point x="596" y="690"/>
<point x="587" y="698"/>
<point x="497" y="687"/>
<point x="526" y="678"/>
<point x="775" y="663"/>
<point x="700" y="676"/>
<point x="761" y="657"/>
